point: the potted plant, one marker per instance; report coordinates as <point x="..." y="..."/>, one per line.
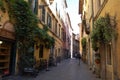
<point x="97" y="58"/>
<point x="97" y="61"/>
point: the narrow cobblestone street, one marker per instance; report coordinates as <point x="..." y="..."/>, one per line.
<point x="66" y="70"/>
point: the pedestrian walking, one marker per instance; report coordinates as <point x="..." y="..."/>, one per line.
<point x="79" y="57"/>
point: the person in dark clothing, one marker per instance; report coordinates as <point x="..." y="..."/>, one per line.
<point x="79" y="57"/>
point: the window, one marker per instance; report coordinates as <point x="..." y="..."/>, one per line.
<point x="59" y="31"/>
<point x="109" y="54"/>
<point x="43" y="14"/>
<point x="52" y="50"/>
<point x="56" y="53"/>
<point x="49" y="20"/>
<point x="41" y="51"/>
<point x="34" y="5"/>
<point x="55" y="26"/>
<point x="64" y="36"/>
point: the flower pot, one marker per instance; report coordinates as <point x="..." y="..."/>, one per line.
<point x="97" y="61"/>
<point x="6" y="72"/>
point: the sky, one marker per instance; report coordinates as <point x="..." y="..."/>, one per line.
<point x="73" y="6"/>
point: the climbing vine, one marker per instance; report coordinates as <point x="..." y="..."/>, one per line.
<point x="26" y="23"/>
<point x="83" y="42"/>
<point x="26" y="30"/>
<point x="2" y="5"/>
<point x="103" y="31"/>
<point x="42" y="35"/>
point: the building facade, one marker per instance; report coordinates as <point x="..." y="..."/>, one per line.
<point x="46" y="17"/>
<point x="61" y="7"/>
<point x="9" y="50"/>
<point x="91" y="11"/>
<point x="75" y="45"/>
<point x="84" y="10"/>
<point x="7" y="42"/>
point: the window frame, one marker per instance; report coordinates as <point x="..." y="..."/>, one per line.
<point x="109" y="54"/>
<point x="41" y="50"/>
<point x="49" y="20"/>
<point x="55" y="26"/>
<point x="43" y="14"/>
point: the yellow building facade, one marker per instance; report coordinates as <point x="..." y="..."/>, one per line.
<point x="8" y="43"/>
<point x="91" y="11"/>
<point x="112" y="70"/>
<point x="46" y="17"/>
<point x="85" y="28"/>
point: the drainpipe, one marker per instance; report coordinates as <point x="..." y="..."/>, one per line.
<point x="93" y="64"/>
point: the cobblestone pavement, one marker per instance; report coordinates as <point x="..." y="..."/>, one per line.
<point x="66" y="70"/>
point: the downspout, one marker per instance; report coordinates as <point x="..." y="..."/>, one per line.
<point x="93" y="64"/>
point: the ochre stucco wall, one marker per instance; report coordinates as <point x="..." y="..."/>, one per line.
<point x="112" y="7"/>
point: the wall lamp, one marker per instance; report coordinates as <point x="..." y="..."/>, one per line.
<point x="1" y="42"/>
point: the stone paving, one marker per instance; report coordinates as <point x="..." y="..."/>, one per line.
<point x="66" y="70"/>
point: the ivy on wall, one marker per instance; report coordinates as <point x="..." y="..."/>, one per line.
<point x="2" y="5"/>
<point x="83" y="42"/>
<point x="26" y="29"/>
<point x="26" y="23"/>
<point x="103" y="32"/>
<point x="42" y="35"/>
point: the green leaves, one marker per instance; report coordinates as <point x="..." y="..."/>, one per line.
<point x="26" y="24"/>
<point x="25" y="20"/>
<point x="44" y="37"/>
<point x="2" y="6"/>
<point x="103" y="31"/>
<point x="83" y="42"/>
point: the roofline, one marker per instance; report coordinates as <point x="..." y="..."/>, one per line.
<point x="80" y="6"/>
<point x="69" y="21"/>
<point x="65" y="4"/>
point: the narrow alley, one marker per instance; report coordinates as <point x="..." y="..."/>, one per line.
<point x="42" y="39"/>
<point x="66" y="70"/>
